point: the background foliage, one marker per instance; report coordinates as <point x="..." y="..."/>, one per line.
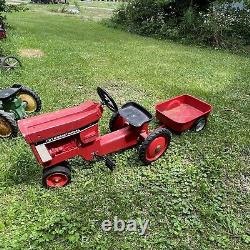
<point x="217" y="24"/>
<point x="2" y="5"/>
<point x="196" y="196"/>
<point x="2" y="9"/>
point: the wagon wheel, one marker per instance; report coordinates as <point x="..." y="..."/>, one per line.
<point x="10" y="62"/>
<point x="155" y="145"/>
<point x="56" y="176"/>
<point x="8" y="125"/>
<point x="200" y="124"/>
<point x="32" y="99"/>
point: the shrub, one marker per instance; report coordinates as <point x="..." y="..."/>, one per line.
<point x="225" y="27"/>
<point x="144" y="17"/>
<point x="9" y="8"/>
<point x="219" y="25"/>
<point x="2" y="9"/>
<point x="2" y="6"/>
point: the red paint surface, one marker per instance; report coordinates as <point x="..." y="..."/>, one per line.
<point x="74" y="131"/>
<point x="180" y="113"/>
<point x="2" y="33"/>
<point x="86" y="141"/>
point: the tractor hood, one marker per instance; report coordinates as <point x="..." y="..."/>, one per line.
<point x="43" y="127"/>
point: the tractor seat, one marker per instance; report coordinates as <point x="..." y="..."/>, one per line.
<point x="135" y="114"/>
<point x="8" y="93"/>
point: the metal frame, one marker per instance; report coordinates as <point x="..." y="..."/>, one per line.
<point x="85" y="140"/>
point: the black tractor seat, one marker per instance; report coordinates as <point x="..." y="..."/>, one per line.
<point x="8" y="93"/>
<point x="135" y="114"/>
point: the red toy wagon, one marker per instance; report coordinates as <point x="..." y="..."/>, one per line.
<point x="58" y="136"/>
<point x="183" y="113"/>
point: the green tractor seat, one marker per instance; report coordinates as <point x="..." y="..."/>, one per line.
<point x="8" y="93"/>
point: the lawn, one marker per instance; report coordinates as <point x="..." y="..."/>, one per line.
<point x="195" y="197"/>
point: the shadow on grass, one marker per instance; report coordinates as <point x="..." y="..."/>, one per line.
<point x="78" y="163"/>
<point x="24" y="170"/>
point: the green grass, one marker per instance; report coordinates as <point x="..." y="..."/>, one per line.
<point x="97" y="4"/>
<point x="196" y="196"/>
<point x="88" y="10"/>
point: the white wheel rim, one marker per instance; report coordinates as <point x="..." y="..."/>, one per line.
<point x="200" y="125"/>
<point x="10" y="63"/>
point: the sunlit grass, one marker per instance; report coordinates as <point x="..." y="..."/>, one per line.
<point x="196" y="196"/>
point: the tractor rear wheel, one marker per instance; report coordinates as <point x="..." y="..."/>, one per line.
<point x="34" y="103"/>
<point x="8" y="125"/>
<point x="155" y="145"/>
<point x="116" y="122"/>
<point x="56" y="176"/>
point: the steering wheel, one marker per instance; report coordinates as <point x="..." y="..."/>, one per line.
<point x="107" y="99"/>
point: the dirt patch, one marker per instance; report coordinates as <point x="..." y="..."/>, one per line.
<point x="31" y="53"/>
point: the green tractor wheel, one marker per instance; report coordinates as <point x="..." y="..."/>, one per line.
<point x="32" y="99"/>
<point x="8" y="125"/>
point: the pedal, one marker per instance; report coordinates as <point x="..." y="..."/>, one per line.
<point x="109" y="163"/>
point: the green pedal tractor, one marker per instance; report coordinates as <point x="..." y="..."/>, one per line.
<point x="16" y="103"/>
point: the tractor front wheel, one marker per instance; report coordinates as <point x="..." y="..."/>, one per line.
<point x="8" y="125"/>
<point x="155" y="145"/>
<point x="56" y="176"/>
<point x="32" y="99"/>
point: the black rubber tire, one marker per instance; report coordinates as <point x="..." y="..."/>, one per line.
<point x="195" y="126"/>
<point x="7" y="57"/>
<point x="112" y="121"/>
<point x="160" y="132"/>
<point x="63" y="168"/>
<point x="26" y="90"/>
<point x="12" y="122"/>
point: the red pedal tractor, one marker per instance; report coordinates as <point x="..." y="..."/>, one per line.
<point x="58" y="136"/>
